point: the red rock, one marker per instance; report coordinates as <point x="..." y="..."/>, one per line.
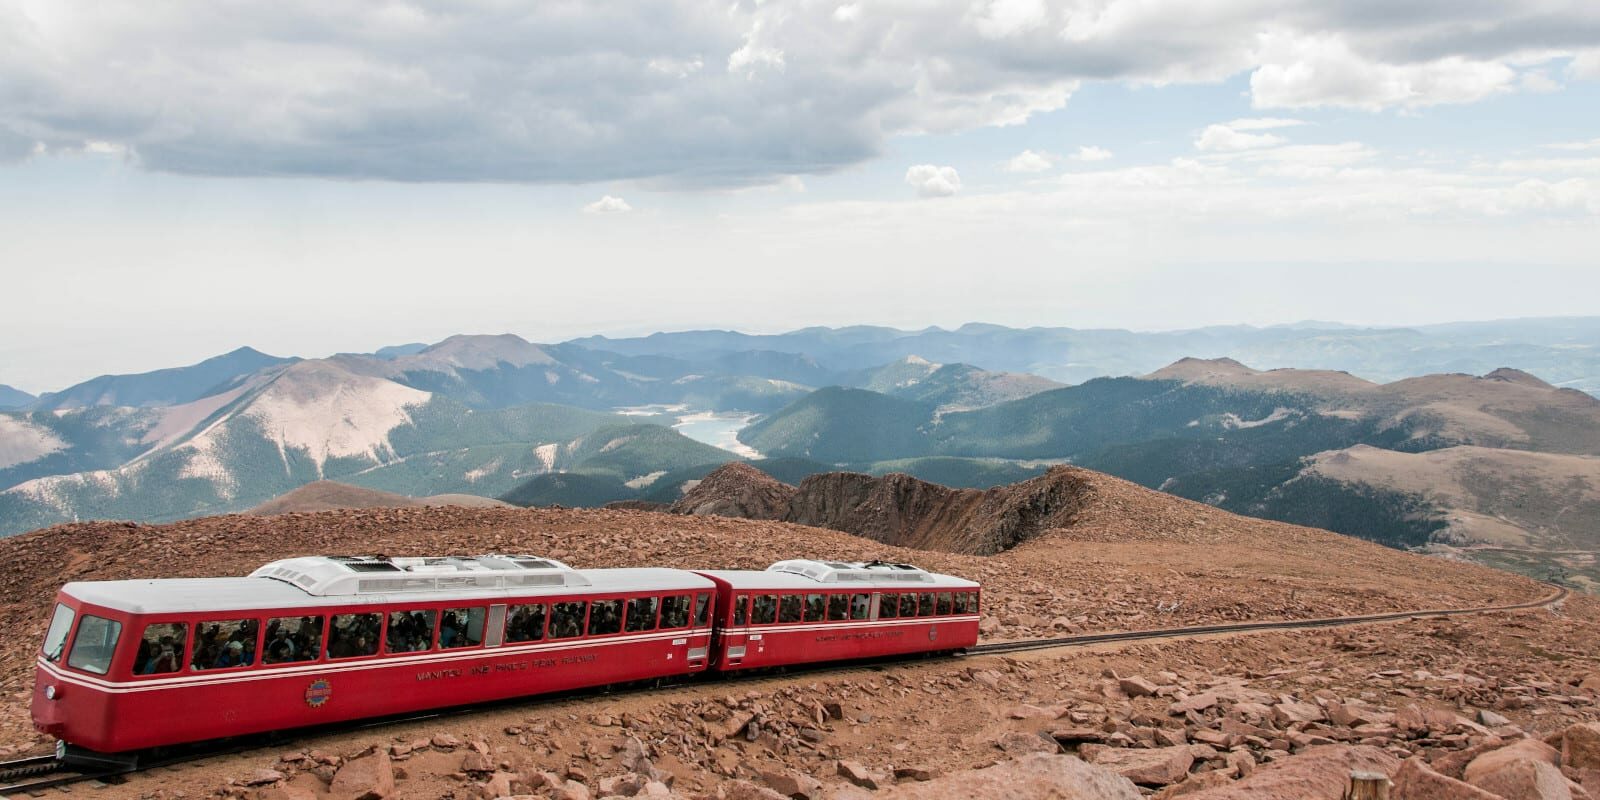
<point x="1198" y="702"/>
<point x="1526" y="749"/>
<point x="1152" y="767"/>
<point x="1198" y="782"/>
<point x="858" y="774"/>
<point x="793" y="785"/>
<point x="366" y="778"/>
<point x="745" y="790"/>
<point x="285" y="792"/>
<point x="1580" y="746"/>
<point x="1136" y="686"/>
<point x="1020" y="742"/>
<point x="1320" y="773"/>
<point x="1417" y="781"/>
<point x="1034" y="777"/>
<point x="1524" y="779"/>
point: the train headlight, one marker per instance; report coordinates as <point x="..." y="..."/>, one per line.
<point x="50" y="692"/>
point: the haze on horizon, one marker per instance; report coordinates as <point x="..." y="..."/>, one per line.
<point x="309" y="177"/>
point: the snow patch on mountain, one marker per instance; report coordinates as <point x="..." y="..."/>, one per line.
<point x="546" y="453"/>
<point x="22" y="441"/>
<point x="57" y="491"/>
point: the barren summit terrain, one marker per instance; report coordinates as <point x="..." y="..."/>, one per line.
<point x="1132" y="558"/>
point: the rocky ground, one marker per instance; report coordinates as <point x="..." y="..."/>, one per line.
<point x="1131" y="559"/>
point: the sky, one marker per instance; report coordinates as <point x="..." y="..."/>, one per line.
<point x="181" y="178"/>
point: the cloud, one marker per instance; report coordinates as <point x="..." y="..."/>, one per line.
<point x="1314" y="71"/>
<point x="608" y="205"/>
<point x="1030" y="161"/>
<point x="695" y="93"/>
<point x="1263" y="123"/>
<point x="1089" y="152"/>
<point x="1226" y="138"/>
<point x="933" y="181"/>
<point x="1592" y="144"/>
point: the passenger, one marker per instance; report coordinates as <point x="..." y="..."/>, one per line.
<point x="281" y="648"/>
<point x="166" y="659"/>
<point x="143" y="658"/>
<point x="232" y="656"/>
<point x="447" y="631"/>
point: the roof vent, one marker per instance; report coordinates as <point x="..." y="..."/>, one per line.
<point x="348" y="575"/>
<point x="853" y="571"/>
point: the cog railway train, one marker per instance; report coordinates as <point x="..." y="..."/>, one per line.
<point x="315" y="640"/>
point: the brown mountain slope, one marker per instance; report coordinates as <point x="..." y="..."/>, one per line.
<point x="331" y="495"/>
<point x="1504" y="408"/>
<point x="737" y="489"/>
<point x="897" y="509"/>
<point x="1130" y="558"/>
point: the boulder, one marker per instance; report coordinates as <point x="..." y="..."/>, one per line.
<point x="367" y="778"/>
<point x="745" y="790"/>
<point x="794" y="785"/>
<point x="571" y="790"/>
<point x="1320" y="773"/>
<point x="1136" y="686"/>
<point x="1417" y="781"/>
<point x="1525" y="779"/>
<point x="1020" y="743"/>
<point x="858" y="774"/>
<point x="1580" y="746"/>
<point x="1198" y="782"/>
<point x="1526" y="749"/>
<point x="1158" y="766"/>
<point x="1039" y="776"/>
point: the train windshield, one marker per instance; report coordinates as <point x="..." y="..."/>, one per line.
<point x="96" y="642"/>
<point x="55" y="639"/>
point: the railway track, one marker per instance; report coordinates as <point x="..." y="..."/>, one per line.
<point x="34" y="774"/>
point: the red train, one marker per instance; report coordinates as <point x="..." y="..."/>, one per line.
<point x="309" y="641"/>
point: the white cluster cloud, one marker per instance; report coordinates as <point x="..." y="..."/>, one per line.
<point x="1031" y="161"/>
<point x="608" y="205"/>
<point x="694" y="92"/>
<point x="1226" y="138"/>
<point x="1089" y="152"/>
<point x="934" y="181"/>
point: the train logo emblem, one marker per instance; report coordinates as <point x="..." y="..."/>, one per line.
<point x="933" y="633"/>
<point x="318" y="693"/>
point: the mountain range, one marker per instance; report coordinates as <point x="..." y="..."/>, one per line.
<point x="1482" y="465"/>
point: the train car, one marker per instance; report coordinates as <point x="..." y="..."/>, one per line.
<point x="136" y="664"/>
<point x="803" y="611"/>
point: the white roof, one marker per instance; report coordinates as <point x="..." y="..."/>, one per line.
<point x="326" y="576"/>
<point x="185" y="595"/>
<point x="807" y="575"/>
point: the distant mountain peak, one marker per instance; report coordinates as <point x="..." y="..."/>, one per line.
<point x="1510" y="375"/>
<point x="478" y="352"/>
<point x="1196" y="369"/>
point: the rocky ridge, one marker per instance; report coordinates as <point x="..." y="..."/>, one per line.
<point x="896" y="508"/>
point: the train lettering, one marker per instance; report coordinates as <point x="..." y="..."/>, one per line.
<point x="842" y="637"/>
<point x="506" y="666"/>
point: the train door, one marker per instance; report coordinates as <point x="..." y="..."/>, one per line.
<point x="494" y="629"/>
<point x="736" y="638"/>
<point x="700" y="626"/>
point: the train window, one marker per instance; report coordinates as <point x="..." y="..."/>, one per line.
<point x="888" y="606"/>
<point x="944" y="602"/>
<point x="566" y="619"/>
<point x="605" y="616"/>
<point x="675" y="611"/>
<point x="740" y="604"/>
<point x="789" y="608"/>
<point x="220" y="644"/>
<point x="702" y="608"/>
<point x="642" y="613"/>
<point x="410" y="631"/>
<point x="292" y="639"/>
<point x="925" y="603"/>
<point x="765" y="610"/>
<point x="961" y="601"/>
<point x="525" y="623"/>
<point x="354" y="635"/>
<point x="816" y="607"/>
<point x="461" y="627"/>
<point x="860" y="604"/>
<point x="838" y="606"/>
<point x="94" y="644"/>
<point x="55" y="639"/>
<point x="161" y="648"/>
